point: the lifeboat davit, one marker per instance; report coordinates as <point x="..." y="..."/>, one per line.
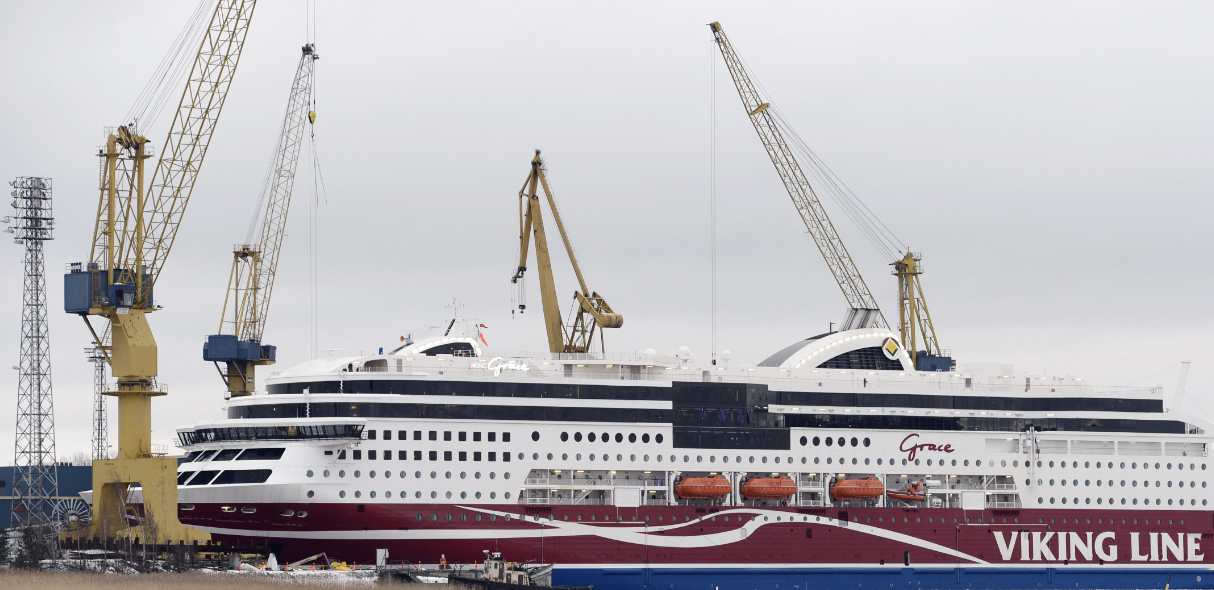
<point x="867" y="488"/>
<point x="915" y="492"/>
<point x="768" y="488"/>
<point x="702" y="488"/>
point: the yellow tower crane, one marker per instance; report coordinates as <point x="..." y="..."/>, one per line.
<point x="590" y="310"/>
<point x="136" y="225"/>
<point x="863" y="310"/>
<point x="254" y="267"/>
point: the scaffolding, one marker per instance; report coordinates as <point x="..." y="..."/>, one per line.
<point x="35" y="484"/>
<point x="101" y="418"/>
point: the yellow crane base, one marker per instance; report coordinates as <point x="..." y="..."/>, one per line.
<point x="155" y="520"/>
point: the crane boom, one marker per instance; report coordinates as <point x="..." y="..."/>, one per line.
<point x="864" y="309"/>
<point x="132" y="236"/>
<point x="590" y="310"/>
<point x="254" y="267"/>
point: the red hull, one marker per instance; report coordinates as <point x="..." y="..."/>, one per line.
<point x="691" y="535"/>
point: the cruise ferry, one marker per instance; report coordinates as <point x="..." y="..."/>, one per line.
<point x="831" y="464"/>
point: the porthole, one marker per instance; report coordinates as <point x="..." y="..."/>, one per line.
<point x="388" y="474"/>
<point x="842" y="441"/>
<point x="564" y="456"/>
<point x="804" y="441"/>
<point x="617" y="457"/>
<point x="506" y="475"/>
<point x="618" y="438"/>
<point x="866" y="441"/>
<point x="478" y="497"/>
<point x="309" y="473"/>
<point x="341" y="494"/>
<point x="372" y="474"/>
<point x="564" y="437"/>
<point x="804" y="460"/>
<point x="954" y="463"/>
<point x="311" y="493"/>
<point x="965" y="463"/>
<point x="657" y="438"/>
<point x="535" y="435"/>
<point x="325" y="473"/>
<point x="341" y="473"/>
<point x="878" y="460"/>
<point x="816" y="459"/>
<point x="632" y="437"/>
<point x="534" y="457"/>
<point x="644" y="438"/>
<point x="590" y="437"/>
<point x="417" y="474"/>
<point x="433" y="475"/>
<point x="978" y="463"/>
<point x="549" y="456"/>
<point x="830" y="441"/>
<point x="855" y="442"/>
<point x="372" y="494"/>
<point x="752" y="459"/>
<point x="506" y="495"/>
<point x="816" y="441"/>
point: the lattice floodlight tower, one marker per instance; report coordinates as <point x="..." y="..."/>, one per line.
<point x="36" y="482"/>
<point x="101" y="419"/>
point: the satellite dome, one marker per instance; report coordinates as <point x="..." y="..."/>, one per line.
<point x="684" y="352"/>
<point x="650" y="351"/>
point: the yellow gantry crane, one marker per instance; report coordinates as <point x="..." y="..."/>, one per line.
<point x="863" y="309"/>
<point x="590" y="310"/>
<point x="254" y="267"/>
<point x="138" y="216"/>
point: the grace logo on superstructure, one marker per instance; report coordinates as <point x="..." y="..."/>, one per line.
<point x="915" y="448"/>
<point x="497" y="364"/>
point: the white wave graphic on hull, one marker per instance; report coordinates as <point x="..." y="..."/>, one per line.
<point x="624" y="533"/>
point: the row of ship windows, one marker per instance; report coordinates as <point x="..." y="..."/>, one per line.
<point x="403" y="494"/>
<point x="433" y="435"/>
<point x="1133" y="465"/>
<point x="1133" y="483"/>
<point x="619" y="437"/>
<point x="830" y="441"/>
<point x="373" y="455"/>
<point x="404" y="474"/>
<point x="249" y="510"/>
<point x="1131" y="501"/>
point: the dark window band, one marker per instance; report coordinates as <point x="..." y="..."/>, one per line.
<point x="732" y="438"/>
<point x="721" y="395"/>
<point x="449" y="411"/>
<point x="984" y="424"/>
<point x="246" y="433"/>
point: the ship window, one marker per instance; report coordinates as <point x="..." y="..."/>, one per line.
<point x="370" y="435"/>
<point x="492" y="456"/>
<point x="842" y="441"/>
<point x="492" y="437"/>
<point x="564" y="437"/>
<point x="476" y="455"/>
<point x="816" y="441"/>
<point x="226" y="455"/>
<point x="370" y="455"/>
<point x="645" y="438"/>
<point x="804" y="441"/>
<point x="446" y="455"/>
<point x="463" y="455"/>
<point x="632" y="437"/>
<point x="866" y="441"/>
<point x="388" y="455"/>
<point x="476" y="437"/>
<point x="434" y="455"/>
<point x="618" y="438"/>
<point x="358" y="455"/>
<point x="417" y="435"/>
<point x="242" y="476"/>
<point x="658" y="439"/>
<point x="402" y="435"/>
<point x="505" y="437"/>
<point x="447" y="435"/>
<point x="829" y="441"/>
<point x="854" y="442"/>
<point x="433" y="435"/>
<point x="463" y="437"/>
<point x="535" y="435"/>
<point x="417" y="455"/>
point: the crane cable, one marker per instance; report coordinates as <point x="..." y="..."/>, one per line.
<point x="173" y="66"/>
<point x="874" y="230"/>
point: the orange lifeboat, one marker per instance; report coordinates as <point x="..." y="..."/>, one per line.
<point x="915" y="492"/>
<point x="702" y="488"/>
<point x="867" y="488"/>
<point x="768" y="488"/>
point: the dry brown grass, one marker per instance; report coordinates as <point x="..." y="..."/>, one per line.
<point x="26" y="580"/>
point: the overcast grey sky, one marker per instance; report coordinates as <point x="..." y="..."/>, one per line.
<point x="1052" y="161"/>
